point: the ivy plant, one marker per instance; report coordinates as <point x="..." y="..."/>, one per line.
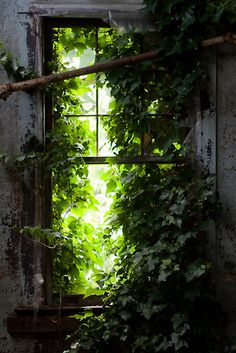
<point x="164" y="299"/>
<point x="159" y="297"/>
<point x="82" y="264"/>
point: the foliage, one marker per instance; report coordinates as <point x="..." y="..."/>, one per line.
<point x="83" y="253"/>
<point x="13" y="68"/>
<point x="159" y="296"/>
<point x="163" y="300"/>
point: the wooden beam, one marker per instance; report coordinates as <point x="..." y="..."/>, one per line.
<point x="41" y="324"/>
<point x="59" y="310"/>
<point x="48" y="320"/>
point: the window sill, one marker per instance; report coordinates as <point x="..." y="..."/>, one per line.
<point x="47" y="320"/>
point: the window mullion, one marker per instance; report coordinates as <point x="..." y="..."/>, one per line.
<point x="97" y="102"/>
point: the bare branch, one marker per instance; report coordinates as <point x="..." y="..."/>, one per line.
<point x="8" y="88"/>
<point x="227" y="38"/>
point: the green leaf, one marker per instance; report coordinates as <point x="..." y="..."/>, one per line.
<point x="195" y="270"/>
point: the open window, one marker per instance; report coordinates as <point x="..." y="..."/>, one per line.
<point x="78" y="114"/>
<point x="86" y="166"/>
<point x="79" y="195"/>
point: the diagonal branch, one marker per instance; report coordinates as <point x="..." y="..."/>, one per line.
<point x="7" y="88"/>
<point x="227" y="38"/>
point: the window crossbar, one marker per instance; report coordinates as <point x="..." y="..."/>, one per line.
<point x="135" y="160"/>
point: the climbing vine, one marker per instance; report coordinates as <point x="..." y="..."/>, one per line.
<point x="162" y="298"/>
<point x="84" y="252"/>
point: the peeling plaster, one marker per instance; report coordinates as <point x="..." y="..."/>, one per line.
<point x="21" y="118"/>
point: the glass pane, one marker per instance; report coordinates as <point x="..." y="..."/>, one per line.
<point x="87" y="94"/>
<point x="104" y="146"/>
<point x="104" y="97"/>
<point x="87" y="90"/>
<point x="90" y="130"/>
<point x="96" y="178"/>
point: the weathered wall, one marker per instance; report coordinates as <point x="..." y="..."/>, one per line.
<point x="226" y="180"/>
<point x="21" y="117"/>
<point x="116" y="12"/>
<point x="216" y="150"/>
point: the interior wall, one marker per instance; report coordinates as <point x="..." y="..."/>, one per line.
<point x="226" y="180"/>
<point x="21" y="117"/>
<point x="216" y="153"/>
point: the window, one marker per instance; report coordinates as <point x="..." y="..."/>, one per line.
<point x="79" y="147"/>
<point x="83" y="184"/>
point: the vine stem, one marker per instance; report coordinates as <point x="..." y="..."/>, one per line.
<point x="6" y="89"/>
<point x="39" y="242"/>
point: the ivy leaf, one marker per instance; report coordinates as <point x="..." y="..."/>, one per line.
<point x="111" y="185"/>
<point x="147" y="310"/>
<point x="163" y="276"/>
<point x="125" y="315"/>
<point x="178" y="320"/>
<point x="178" y="342"/>
<point x="195" y="270"/>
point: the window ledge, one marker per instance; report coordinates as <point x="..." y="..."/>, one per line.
<point x="47" y="320"/>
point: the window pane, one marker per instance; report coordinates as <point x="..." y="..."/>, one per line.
<point x="104" y="97"/>
<point x="87" y="94"/>
<point x="87" y="90"/>
<point x="90" y="126"/>
<point x="104" y="145"/>
<point x="99" y="186"/>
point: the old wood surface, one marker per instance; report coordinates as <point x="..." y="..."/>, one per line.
<point x="41" y="324"/>
<point x="53" y="320"/>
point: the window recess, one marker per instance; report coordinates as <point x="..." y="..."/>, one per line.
<point x="85" y="176"/>
<point x="98" y="151"/>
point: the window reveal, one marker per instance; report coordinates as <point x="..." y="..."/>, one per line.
<point x="81" y="108"/>
<point x="82" y="195"/>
